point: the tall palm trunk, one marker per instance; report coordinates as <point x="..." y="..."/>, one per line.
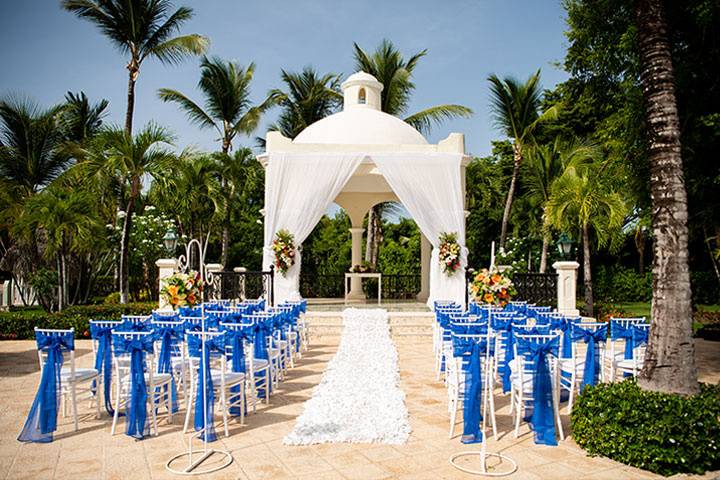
<point x="125" y="242"/>
<point x="544" y="253"/>
<point x="133" y="70"/>
<point x="670" y="357"/>
<point x="587" y="271"/>
<point x="60" y="293"/>
<point x="226" y="223"/>
<point x="517" y="156"/>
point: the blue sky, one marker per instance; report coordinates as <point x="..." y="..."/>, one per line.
<point x="47" y="52"/>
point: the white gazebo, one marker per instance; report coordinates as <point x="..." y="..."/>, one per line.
<point x="357" y="158"/>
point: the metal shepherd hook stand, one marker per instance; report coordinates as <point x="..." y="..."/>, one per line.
<point x="483" y="453"/>
<point x="196" y="458"/>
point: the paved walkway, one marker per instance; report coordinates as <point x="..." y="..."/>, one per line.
<point x="257" y="446"/>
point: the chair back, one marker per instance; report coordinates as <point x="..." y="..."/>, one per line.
<point x="122" y="359"/>
<point x="66" y="337"/>
<point x="101" y="324"/>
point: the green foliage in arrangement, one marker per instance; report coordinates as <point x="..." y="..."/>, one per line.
<point x="19" y="324"/>
<point x="659" y="432"/>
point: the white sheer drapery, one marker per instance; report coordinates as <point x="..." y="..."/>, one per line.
<point x="298" y="190"/>
<point x="430" y="187"/>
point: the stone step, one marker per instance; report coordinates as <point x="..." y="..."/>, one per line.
<point x="402" y="324"/>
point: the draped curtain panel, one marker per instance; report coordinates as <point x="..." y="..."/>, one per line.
<point x="298" y="190"/>
<point x="430" y="187"/>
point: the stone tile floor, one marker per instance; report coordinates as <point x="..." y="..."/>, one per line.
<point x="257" y="446"/>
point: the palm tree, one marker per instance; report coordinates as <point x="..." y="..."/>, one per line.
<point x="233" y="171"/>
<point x="142" y="29"/>
<point x="307" y="98"/>
<point x="670" y="357"/>
<point x="113" y="154"/>
<point x="67" y="219"/>
<point x="515" y="108"/>
<point x="228" y="109"/>
<point x="582" y="198"/>
<point x="545" y="163"/>
<point x="82" y="120"/>
<point x="390" y="68"/>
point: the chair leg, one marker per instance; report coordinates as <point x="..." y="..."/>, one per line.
<point x="153" y="397"/>
<point x="453" y="415"/>
<point x="97" y="400"/>
<point x="243" y="403"/>
<point x="518" y="414"/>
<point x="224" y="403"/>
<point x="73" y="392"/>
<point x="117" y="409"/>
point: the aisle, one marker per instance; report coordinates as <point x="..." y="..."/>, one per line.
<point x="358" y="399"/>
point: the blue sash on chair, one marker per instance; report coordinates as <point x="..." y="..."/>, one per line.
<point x="166" y="335"/>
<point x="592" y="359"/>
<point x="235" y="338"/>
<point x="103" y="361"/>
<point x="42" y="418"/>
<point x="204" y="382"/>
<point x="136" y="422"/>
<point x="472" y="396"/>
<point x="543" y="415"/>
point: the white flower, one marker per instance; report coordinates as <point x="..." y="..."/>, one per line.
<point x="121" y="214"/>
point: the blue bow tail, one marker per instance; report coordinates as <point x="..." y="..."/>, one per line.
<point x="542" y="419"/>
<point x="137" y="424"/>
<point x="165" y="366"/>
<point x="472" y="402"/>
<point x="260" y="351"/>
<point x="505" y="366"/>
<point x="237" y="366"/>
<point x="592" y="366"/>
<point x="42" y="419"/>
<point x="103" y="364"/>
<point x="207" y="401"/>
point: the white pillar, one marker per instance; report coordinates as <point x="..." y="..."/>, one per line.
<point x="566" y="287"/>
<point x="425" y="249"/>
<point x="166" y="268"/>
<point x="356" y="291"/>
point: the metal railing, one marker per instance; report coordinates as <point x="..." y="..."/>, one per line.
<point x="243" y="285"/>
<point x="394" y="286"/>
<point x="538" y="288"/>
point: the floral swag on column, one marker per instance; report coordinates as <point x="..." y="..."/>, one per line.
<point x="284" y="249"/>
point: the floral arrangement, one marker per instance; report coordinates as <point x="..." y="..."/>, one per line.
<point x="284" y="248"/>
<point x="182" y="289"/>
<point x="492" y="287"/>
<point x="449" y="253"/>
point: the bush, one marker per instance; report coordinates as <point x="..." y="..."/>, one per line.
<point x="113" y="298"/>
<point x="19" y="325"/>
<point x="618" y="284"/>
<point x="659" y="432"/>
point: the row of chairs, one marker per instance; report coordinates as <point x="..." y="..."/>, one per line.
<point x="248" y="355"/>
<point x="511" y="338"/>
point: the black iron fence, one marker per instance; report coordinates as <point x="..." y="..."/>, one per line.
<point x="538" y="288"/>
<point x="242" y="285"/>
<point x="394" y="286"/>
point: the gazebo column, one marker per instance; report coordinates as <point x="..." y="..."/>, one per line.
<point x="356" y="291"/>
<point x="425" y="249"/>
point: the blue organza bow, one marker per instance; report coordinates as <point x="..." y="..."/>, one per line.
<point x="640" y="334"/>
<point x="542" y="419"/>
<point x="563" y="325"/>
<point x="130" y="326"/>
<point x="633" y="335"/>
<point x="236" y="340"/>
<point x="592" y="359"/>
<point x="103" y="361"/>
<point x="472" y="399"/>
<point x="136" y="347"/>
<point x="167" y="335"/>
<point x="42" y="419"/>
<point x="205" y="383"/>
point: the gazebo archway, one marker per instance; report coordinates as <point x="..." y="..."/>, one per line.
<point x="357" y="158"/>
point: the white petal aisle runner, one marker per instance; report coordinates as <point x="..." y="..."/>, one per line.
<point x="358" y="399"/>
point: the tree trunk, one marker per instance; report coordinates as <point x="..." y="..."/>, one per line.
<point x="640" y="246"/>
<point x="587" y="271"/>
<point x="517" y="156"/>
<point x="125" y="242"/>
<point x="544" y="253"/>
<point x="133" y="70"/>
<point x="60" y="283"/>
<point x="226" y="224"/>
<point x="670" y="357"/>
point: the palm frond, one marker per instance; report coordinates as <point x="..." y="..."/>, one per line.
<point x="175" y="50"/>
<point x="424" y="120"/>
<point x="192" y="110"/>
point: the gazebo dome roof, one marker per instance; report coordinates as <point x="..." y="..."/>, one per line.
<point x="361" y="122"/>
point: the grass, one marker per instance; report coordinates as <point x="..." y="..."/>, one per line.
<point x="642" y="309"/>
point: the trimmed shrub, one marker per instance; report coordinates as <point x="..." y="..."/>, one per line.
<point x="659" y="432"/>
<point x="20" y="324"/>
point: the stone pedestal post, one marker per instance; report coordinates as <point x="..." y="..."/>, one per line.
<point x="425" y="250"/>
<point x="356" y="291"/>
<point x="166" y="268"/>
<point x="566" y="287"/>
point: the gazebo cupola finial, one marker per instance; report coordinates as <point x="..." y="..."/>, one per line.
<point x="361" y="90"/>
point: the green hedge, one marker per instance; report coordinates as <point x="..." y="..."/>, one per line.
<point x="659" y="432"/>
<point x="19" y="324"/>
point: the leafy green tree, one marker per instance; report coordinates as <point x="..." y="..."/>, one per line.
<point x="141" y="29"/>
<point x="545" y="163"/>
<point x="390" y="68"/>
<point x="81" y="119"/>
<point x="113" y="154"/>
<point x="227" y="108"/>
<point x="515" y="108"/>
<point x="306" y="98"/>
<point x="65" y="218"/>
<point x="583" y="199"/>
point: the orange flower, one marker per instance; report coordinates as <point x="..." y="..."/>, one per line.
<point x="496" y="278"/>
<point x="486" y="280"/>
<point x="488" y="298"/>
